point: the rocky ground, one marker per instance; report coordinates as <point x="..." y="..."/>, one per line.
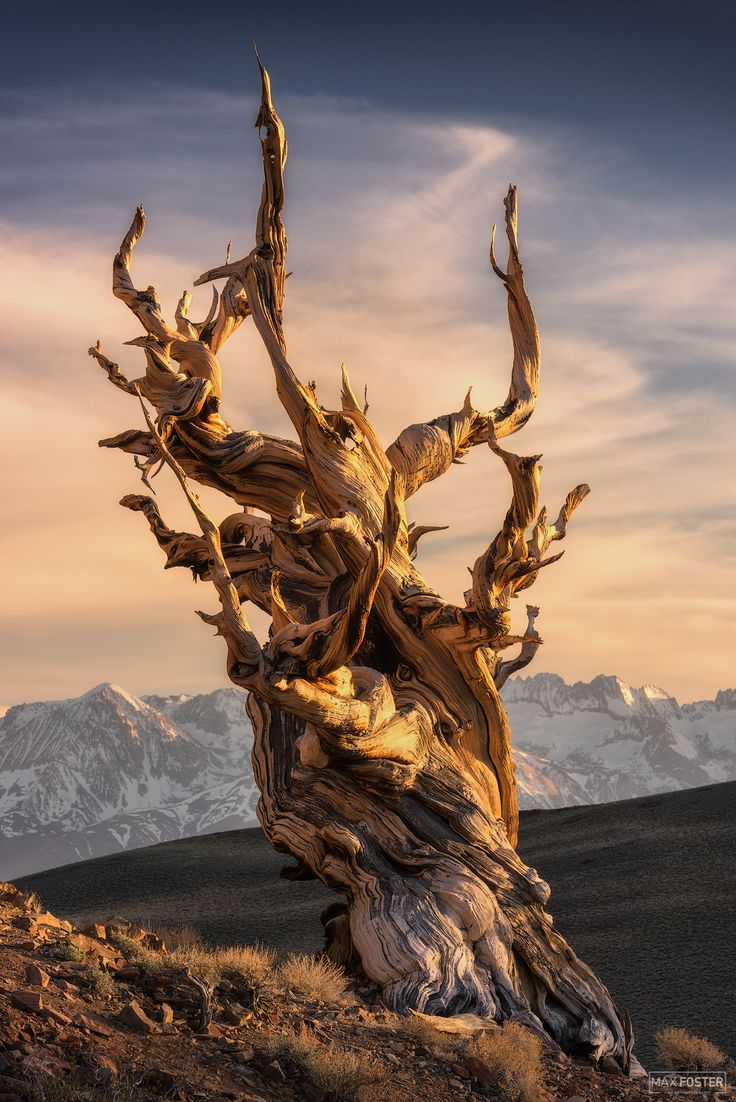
<point x="107" y="1013"/>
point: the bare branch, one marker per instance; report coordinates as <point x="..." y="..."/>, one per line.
<point x="530" y="645"/>
<point x="423" y="452"/>
<point x="144" y="304"/>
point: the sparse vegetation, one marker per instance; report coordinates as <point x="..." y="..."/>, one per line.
<point x="347" y="1076"/>
<point x="178" y="937"/>
<point x="99" y="982"/>
<point x="514" y="1055"/>
<point x="64" y="950"/>
<point x="32" y="903"/>
<point x="254" y="965"/>
<point x="316" y="978"/>
<point x="423" y="1033"/>
<point x="685" y="1051"/>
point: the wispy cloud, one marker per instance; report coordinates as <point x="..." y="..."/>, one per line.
<point x="389" y="219"/>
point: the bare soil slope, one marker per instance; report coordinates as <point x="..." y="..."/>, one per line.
<point x="643" y="889"/>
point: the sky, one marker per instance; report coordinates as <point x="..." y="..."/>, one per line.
<point x="405" y="125"/>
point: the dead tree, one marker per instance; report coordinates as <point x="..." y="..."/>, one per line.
<point x="381" y="745"/>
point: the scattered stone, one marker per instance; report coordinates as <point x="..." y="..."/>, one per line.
<point x="273" y="1072"/>
<point x="57" y="1016"/>
<point x="32" y="923"/>
<point x="480" y="1071"/>
<point x="95" y="1025"/>
<point x="91" y="947"/>
<point x="245" y="1055"/>
<point x="234" y="1014"/>
<point x="165" y="1014"/>
<point x="105" y="1067"/>
<point x="30" y="1001"/>
<point x="94" y="929"/>
<point x="36" y="976"/>
<point x="461" y="1072"/>
<point x="609" y="1066"/>
<point x="134" y="1016"/>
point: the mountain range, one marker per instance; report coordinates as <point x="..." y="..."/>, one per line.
<point x="108" y="771"/>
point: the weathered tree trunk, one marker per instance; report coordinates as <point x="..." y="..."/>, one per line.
<point x="382" y="748"/>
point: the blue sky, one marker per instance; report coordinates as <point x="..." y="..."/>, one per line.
<point x="405" y="125"/>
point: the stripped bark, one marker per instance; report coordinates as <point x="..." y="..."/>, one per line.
<point x="382" y="748"/>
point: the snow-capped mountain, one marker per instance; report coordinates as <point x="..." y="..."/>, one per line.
<point x="612" y="741"/>
<point x="109" y="771"/>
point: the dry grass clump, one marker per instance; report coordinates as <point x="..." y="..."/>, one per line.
<point x="178" y="937"/>
<point x="684" y="1051"/>
<point x="422" y="1032"/>
<point x="32" y="902"/>
<point x="347" y="1076"/>
<point x="64" y="950"/>
<point x="255" y="964"/>
<point x="316" y="978"/>
<point x="514" y="1055"/>
<point x="98" y="981"/>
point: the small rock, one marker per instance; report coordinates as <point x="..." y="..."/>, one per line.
<point x="36" y="976"/>
<point x="224" y="985"/>
<point x="274" y="1072"/>
<point x="30" y="1001"/>
<point x="94" y="929"/>
<point x="234" y="1014"/>
<point x="94" y="1025"/>
<point x="57" y="1016"/>
<point x="461" y="1072"/>
<point x="480" y="1071"/>
<point x="32" y="923"/>
<point x="166" y="1014"/>
<point x="245" y="1055"/>
<point x="105" y="1067"/>
<point x="134" y="1016"/>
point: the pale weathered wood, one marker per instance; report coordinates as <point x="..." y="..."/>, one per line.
<point x="382" y="748"/>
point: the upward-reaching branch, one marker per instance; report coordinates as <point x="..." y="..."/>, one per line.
<point x="423" y="452"/>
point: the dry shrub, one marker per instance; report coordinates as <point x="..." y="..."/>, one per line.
<point x="255" y="964"/>
<point x="99" y="982"/>
<point x="316" y="978"/>
<point x="178" y="937"/>
<point x="347" y="1076"/>
<point x="685" y="1051"/>
<point x="32" y="903"/>
<point x="514" y="1055"/>
<point x="424" y="1033"/>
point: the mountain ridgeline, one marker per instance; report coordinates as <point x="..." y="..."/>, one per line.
<point x="108" y="771"/>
